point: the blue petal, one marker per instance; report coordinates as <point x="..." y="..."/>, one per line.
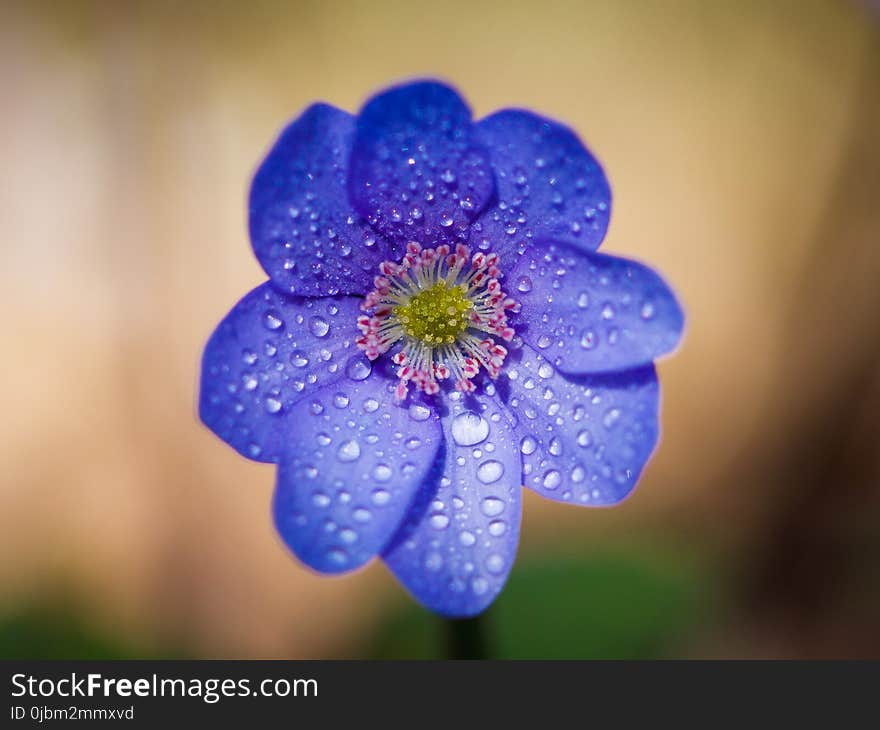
<point x="548" y="185"/>
<point x="303" y="229"/>
<point x="458" y="545"/>
<point x="584" y="439"/>
<point x="587" y="312"/>
<point x="270" y="352"/>
<point x="416" y="172"/>
<point x="349" y="475"/>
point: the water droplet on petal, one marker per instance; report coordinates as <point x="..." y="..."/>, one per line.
<point x="419" y="412"/>
<point x="358" y="368"/>
<point x="348" y="451"/>
<point x="490" y="471"/>
<point x="552" y="479"/>
<point x="495" y="564"/>
<point x="524" y="284"/>
<point x="492" y="506"/>
<point x="469" y="428"/>
<point x="272" y="320"/>
<point x="588" y="339"/>
<point x="497" y="528"/>
<point x="612" y="416"/>
<point x="299" y="359"/>
<point x="319" y="326"/>
<point x="337" y="556"/>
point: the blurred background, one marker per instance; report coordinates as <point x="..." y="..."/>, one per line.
<point x="742" y="142"/>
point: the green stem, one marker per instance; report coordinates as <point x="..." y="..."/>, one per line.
<point x="467" y="638"/>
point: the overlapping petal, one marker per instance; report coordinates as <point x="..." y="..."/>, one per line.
<point x="416" y="169"/>
<point x="459" y="542"/>
<point x="266" y="355"/>
<point x="584" y="439"/>
<point x="592" y="313"/>
<point x="303" y="229"/>
<point x="548" y="183"/>
<point x="350" y="473"/>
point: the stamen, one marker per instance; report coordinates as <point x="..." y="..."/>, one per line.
<point x="439" y="305"/>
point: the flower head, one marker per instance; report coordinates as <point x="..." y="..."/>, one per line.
<point x="437" y="331"/>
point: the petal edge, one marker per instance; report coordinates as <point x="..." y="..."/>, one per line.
<point x="455" y="550"/>
<point x="303" y="229"/>
<point x="417" y="172"/>
<point x="589" y="312"/>
<point x="548" y="183"/>
<point x="347" y="480"/>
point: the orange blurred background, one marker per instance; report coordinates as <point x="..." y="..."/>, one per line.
<point x="741" y="143"/>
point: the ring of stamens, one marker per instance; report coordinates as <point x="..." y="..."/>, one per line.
<point x="444" y="308"/>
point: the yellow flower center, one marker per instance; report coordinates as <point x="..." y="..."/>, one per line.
<point x="445" y="309"/>
<point x="437" y="316"/>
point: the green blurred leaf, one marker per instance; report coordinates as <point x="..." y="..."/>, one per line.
<point x="50" y="631"/>
<point x="621" y="604"/>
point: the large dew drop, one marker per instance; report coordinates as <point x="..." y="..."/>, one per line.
<point x="419" y="412"/>
<point x="358" y="368"/>
<point x="348" y="451"/>
<point x="469" y="428"/>
<point x="380" y="497"/>
<point x="490" y="471"/>
<point x="273" y="320"/>
<point x="319" y="326"/>
<point x="492" y="506"/>
<point x="552" y="479"/>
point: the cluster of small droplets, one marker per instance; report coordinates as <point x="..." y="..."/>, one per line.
<point x="440" y="305"/>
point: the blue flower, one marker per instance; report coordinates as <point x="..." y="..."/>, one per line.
<point x="437" y="331"/>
